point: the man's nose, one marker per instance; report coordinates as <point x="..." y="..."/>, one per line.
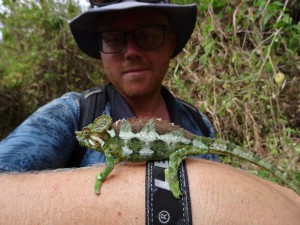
<point x="131" y="44"/>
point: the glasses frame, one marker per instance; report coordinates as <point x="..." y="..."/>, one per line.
<point x="164" y="28"/>
<point x="93" y="3"/>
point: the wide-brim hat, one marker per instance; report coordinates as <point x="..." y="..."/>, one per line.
<point x="182" y="20"/>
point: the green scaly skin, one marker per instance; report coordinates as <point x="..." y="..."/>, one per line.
<point x="143" y="139"/>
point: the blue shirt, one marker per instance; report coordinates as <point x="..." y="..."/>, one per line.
<point x="46" y="139"/>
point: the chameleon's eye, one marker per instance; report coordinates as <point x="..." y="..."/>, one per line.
<point x="86" y="131"/>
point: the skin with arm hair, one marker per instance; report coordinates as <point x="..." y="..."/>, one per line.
<point x="143" y="139"/>
<point x="217" y="191"/>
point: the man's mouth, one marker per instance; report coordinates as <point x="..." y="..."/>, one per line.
<point x="135" y="70"/>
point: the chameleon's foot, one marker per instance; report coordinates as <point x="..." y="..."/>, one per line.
<point x="176" y="194"/>
<point x="98" y="184"/>
<point x="173" y="181"/>
<point x="100" y="177"/>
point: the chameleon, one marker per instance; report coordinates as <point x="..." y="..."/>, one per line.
<point x="145" y="139"/>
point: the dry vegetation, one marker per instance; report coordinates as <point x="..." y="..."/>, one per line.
<point x="242" y="68"/>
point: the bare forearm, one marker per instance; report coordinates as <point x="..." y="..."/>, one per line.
<point x="219" y="195"/>
<point x="67" y="197"/>
<point x="223" y="195"/>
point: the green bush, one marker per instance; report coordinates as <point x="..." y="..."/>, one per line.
<point x="39" y="59"/>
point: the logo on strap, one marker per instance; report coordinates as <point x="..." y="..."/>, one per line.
<point x="164" y="217"/>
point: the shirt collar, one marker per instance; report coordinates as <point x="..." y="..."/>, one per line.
<point x="121" y="110"/>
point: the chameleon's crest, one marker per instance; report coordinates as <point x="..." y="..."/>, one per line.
<point x="101" y="124"/>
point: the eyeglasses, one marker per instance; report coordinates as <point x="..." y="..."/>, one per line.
<point x="148" y="37"/>
<point x="100" y="3"/>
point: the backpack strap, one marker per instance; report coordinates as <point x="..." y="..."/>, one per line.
<point x="197" y="117"/>
<point x="92" y="104"/>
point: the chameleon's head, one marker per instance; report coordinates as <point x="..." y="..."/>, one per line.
<point x="95" y="134"/>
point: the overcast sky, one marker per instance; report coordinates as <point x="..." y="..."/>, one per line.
<point x="83" y="3"/>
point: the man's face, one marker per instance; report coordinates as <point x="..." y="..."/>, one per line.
<point x="134" y="71"/>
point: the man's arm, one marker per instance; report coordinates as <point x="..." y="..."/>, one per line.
<point x="45" y="140"/>
<point x="220" y="195"/>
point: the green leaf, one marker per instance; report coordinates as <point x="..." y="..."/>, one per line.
<point x="268" y="67"/>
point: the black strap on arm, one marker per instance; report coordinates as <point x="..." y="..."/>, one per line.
<point x="92" y="103"/>
<point x="161" y="206"/>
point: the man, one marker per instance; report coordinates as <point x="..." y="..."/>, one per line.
<point x="135" y="46"/>
<point x="135" y="42"/>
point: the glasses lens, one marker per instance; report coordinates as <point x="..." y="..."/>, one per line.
<point x="150" y="37"/>
<point x="111" y="42"/>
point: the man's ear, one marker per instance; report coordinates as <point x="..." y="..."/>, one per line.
<point x="172" y="43"/>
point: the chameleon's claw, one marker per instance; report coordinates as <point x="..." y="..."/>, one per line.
<point x="97" y="188"/>
<point x="97" y="192"/>
<point x="177" y="196"/>
<point x="176" y="193"/>
<point x="98" y="184"/>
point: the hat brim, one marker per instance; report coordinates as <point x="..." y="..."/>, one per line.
<point x="182" y="19"/>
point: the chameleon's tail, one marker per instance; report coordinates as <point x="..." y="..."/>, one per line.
<point x="221" y="147"/>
